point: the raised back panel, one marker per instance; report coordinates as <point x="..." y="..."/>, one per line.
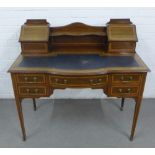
<point x="77" y="35"/>
<point x="78" y="29"/>
<point x="77" y="38"/>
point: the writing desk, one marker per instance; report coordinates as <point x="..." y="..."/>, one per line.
<point x="76" y="64"/>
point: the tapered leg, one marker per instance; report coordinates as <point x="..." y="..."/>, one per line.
<point x="135" y="118"/>
<point x="122" y="104"/>
<point x="21" y="118"/>
<point x="34" y="104"/>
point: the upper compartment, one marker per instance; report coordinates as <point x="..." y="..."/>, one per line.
<point x="37" y="38"/>
<point x="34" y="37"/>
<point x="121" y="35"/>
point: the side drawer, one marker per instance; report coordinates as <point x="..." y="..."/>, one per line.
<point x="122" y="46"/>
<point x="32" y="90"/>
<point x="126" y="78"/>
<point x="31" y="78"/>
<point x="124" y="91"/>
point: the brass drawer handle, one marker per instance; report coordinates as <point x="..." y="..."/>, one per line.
<point x="93" y="82"/>
<point x="34" y="78"/>
<point x="28" y="90"/>
<point x="122" y="78"/>
<point x="65" y="81"/>
<point x="130" y="78"/>
<point x="120" y="90"/>
<point x="36" y="91"/>
<point x="129" y="90"/>
<point x="100" y="80"/>
<point x="26" y="78"/>
<point x="56" y="80"/>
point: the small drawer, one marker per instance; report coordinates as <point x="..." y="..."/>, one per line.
<point x="121" y="91"/>
<point x="126" y="78"/>
<point x="31" y="78"/>
<point x="32" y="90"/>
<point x="78" y="81"/>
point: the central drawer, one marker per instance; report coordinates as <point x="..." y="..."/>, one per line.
<point x="92" y="81"/>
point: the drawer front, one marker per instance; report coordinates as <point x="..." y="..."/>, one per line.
<point x="78" y="81"/>
<point x="31" y="78"/>
<point x="34" y="47"/>
<point x="122" y="46"/>
<point x="126" y="78"/>
<point x="124" y="91"/>
<point x="32" y="90"/>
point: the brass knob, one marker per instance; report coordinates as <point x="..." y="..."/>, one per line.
<point x="122" y="78"/>
<point x="100" y="80"/>
<point x="130" y="78"/>
<point x="129" y="90"/>
<point x="91" y="81"/>
<point x="36" y="90"/>
<point x="120" y="90"/>
<point x="27" y="90"/>
<point x="25" y="78"/>
<point x="56" y="80"/>
<point x="34" y="78"/>
<point x="65" y="81"/>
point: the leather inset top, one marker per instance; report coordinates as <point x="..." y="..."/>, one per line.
<point x="78" y="62"/>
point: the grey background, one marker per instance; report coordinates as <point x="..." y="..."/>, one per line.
<point x="77" y="123"/>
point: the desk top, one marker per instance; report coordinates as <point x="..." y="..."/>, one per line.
<point x="79" y="64"/>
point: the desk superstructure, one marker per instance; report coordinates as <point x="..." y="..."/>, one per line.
<point x="78" y="56"/>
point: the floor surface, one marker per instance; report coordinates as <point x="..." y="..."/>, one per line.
<point x="77" y="124"/>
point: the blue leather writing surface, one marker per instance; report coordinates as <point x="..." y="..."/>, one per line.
<point x="78" y="62"/>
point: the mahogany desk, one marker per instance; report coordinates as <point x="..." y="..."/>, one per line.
<point x="69" y="63"/>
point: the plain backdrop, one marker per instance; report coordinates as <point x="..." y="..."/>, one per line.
<point x="12" y="19"/>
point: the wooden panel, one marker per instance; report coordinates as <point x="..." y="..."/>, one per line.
<point x="77" y="40"/>
<point x="31" y="78"/>
<point x="121" y="32"/>
<point x="92" y="81"/>
<point x="36" y="22"/>
<point x="120" y="21"/>
<point x="34" y="33"/>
